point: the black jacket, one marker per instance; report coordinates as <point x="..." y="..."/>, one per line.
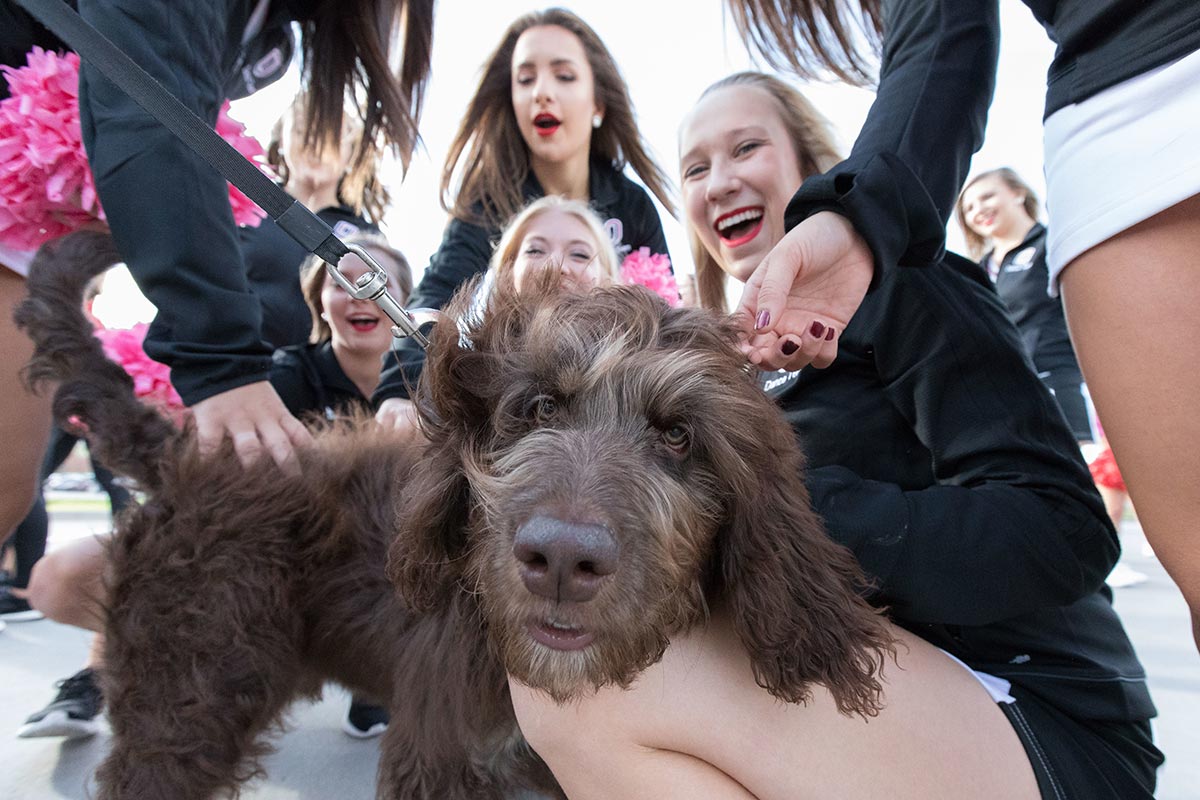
<point x="273" y="260"/>
<point x="309" y="380"/>
<point x="1022" y="282"/>
<point x="939" y="458"/>
<point x="466" y="249"/>
<point x="937" y="75"/>
<point x="167" y="208"/>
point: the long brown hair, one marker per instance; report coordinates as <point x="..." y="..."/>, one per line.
<point x="806" y="36"/>
<point x="815" y="151"/>
<point x="360" y="190"/>
<point x="491" y="155"/>
<point x="347" y="50"/>
<point x="1010" y="178"/>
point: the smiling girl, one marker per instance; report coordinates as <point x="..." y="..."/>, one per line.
<point x="551" y="116"/>
<point x="554" y="233"/>
<point x="339" y="367"/>
<point x="999" y="210"/>
<point x="937" y="457"/>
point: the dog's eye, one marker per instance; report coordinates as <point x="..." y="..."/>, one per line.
<point x="542" y="408"/>
<point x="676" y="437"/>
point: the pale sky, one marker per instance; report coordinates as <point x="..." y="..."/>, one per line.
<point x="668" y="51"/>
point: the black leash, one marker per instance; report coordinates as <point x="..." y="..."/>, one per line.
<point x="289" y="213"/>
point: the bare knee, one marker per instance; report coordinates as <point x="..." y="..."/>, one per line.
<point x="67" y="585"/>
<point x="16" y="499"/>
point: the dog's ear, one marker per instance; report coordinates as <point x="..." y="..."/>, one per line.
<point x="792" y="591"/>
<point x="432" y="511"/>
<point x="432" y="516"/>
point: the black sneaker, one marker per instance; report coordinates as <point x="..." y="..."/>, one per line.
<point x="364" y="720"/>
<point x="73" y="712"/>
<point x="16" y="609"/>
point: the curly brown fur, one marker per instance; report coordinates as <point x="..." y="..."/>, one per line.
<point x="235" y="592"/>
<point x="232" y="592"/>
<point x="94" y="395"/>
<point x="723" y="519"/>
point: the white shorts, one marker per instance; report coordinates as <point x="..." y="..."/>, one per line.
<point x="17" y="261"/>
<point x="1120" y="157"/>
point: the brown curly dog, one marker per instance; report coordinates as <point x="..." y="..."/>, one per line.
<point x="600" y="469"/>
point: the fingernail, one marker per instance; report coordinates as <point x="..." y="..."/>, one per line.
<point x="829" y="335"/>
<point x="789" y="347"/>
<point x="817" y="330"/>
<point x="762" y="320"/>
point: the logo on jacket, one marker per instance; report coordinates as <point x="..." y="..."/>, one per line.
<point x="779" y="382"/>
<point x="1022" y="260"/>
<point x="616" y="232"/>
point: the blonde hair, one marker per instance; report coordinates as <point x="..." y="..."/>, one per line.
<point x="1009" y="177"/>
<point x="494" y="158"/>
<point x="815" y="152"/>
<point x="507" y="250"/>
<point x="313" y="275"/>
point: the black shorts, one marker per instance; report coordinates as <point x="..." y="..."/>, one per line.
<point x="1068" y="389"/>
<point x="1084" y="760"/>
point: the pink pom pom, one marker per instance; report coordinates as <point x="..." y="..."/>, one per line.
<point x="652" y="271"/>
<point x="151" y="380"/>
<point x="46" y="185"/>
<point x="245" y="211"/>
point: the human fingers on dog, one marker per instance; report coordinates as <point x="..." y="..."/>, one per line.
<point x="399" y="415"/>
<point x="255" y="420"/>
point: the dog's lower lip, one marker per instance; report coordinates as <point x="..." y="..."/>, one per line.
<point x="559" y="638"/>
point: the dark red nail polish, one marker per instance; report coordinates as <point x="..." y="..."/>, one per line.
<point x="817" y="330"/>
<point x="830" y="334"/>
<point x="762" y="320"/>
<point x="789" y="347"/>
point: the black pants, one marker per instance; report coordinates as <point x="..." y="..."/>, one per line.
<point x="1084" y="760"/>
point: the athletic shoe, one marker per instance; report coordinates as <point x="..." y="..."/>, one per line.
<point x="16" y="609"/>
<point x="1123" y="576"/>
<point x="73" y="712"/>
<point x="364" y="720"/>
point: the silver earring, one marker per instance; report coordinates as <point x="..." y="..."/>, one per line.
<point x="597" y="120"/>
<point x="324" y="316"/>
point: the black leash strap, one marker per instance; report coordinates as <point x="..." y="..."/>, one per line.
<point x="290" y="214"/>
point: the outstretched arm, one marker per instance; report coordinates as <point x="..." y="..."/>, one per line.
<point x="896" y="190"/>
<point x="169" y="214"/>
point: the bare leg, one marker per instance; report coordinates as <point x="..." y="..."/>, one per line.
<point x="25" y="423"/>
<point x="697" y="725"/>
<point x="67" y="585"/>
<point x="1131" y="305"/>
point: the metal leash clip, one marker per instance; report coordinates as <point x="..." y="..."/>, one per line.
<point x="373" y="286"/>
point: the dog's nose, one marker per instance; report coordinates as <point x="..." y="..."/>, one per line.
<point x="564" y="561"/>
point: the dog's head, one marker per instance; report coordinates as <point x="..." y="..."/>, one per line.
<point x="602" y="468"/>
